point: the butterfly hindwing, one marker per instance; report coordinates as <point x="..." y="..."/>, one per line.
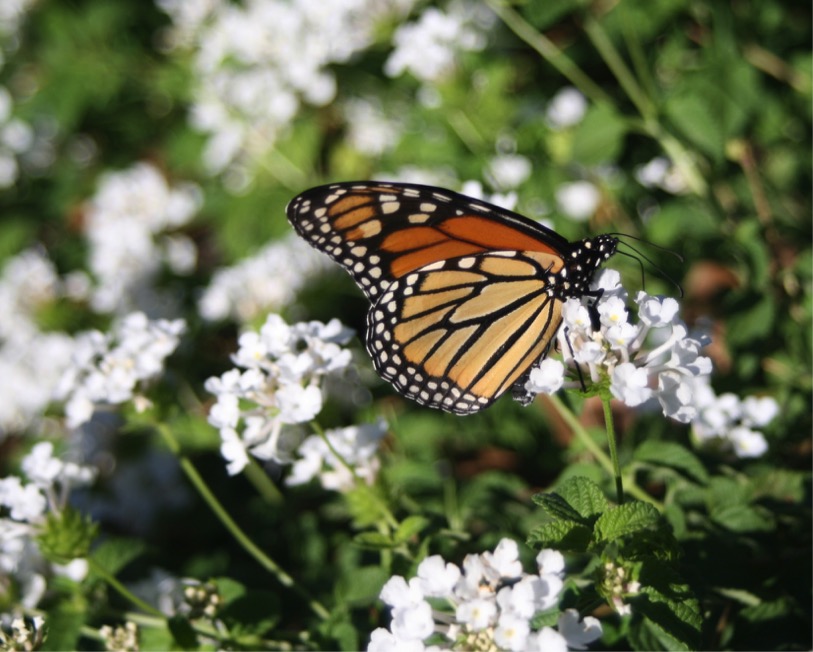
<point x="456" y="334"/>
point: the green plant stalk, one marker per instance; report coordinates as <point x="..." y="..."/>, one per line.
<point x="241" y="537"/>
<point x="609" y="425"/>
<point x="673" y="148"/>
<point x="392" y="522"/>
<point x="584" y="436"/>
<point x="549" y="52"/>
<point x="617" y="66"/>
<point x="262" y="483"/>
<point x="122" y="590"/>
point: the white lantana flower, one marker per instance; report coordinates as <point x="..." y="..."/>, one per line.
<point x="129" y="226"/>
<point x="490" y="603"/>
<point x="276" y="385"/>
<point x="726" y="422"/>
<point x="110" y="368"/>
<point x="620" y="349"/>
<point x="49" y="481"/>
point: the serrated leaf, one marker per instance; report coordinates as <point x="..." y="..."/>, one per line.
<point x="584" y="495"/>
<point x="561" y="535"/>
<point x="409" y="527"/>
<point x="646" y="635"/>
<point x="558" y="508"/>
<point x="664" y="453"/>
<point x="666" y="600"/>
<point x="625" y="519"/>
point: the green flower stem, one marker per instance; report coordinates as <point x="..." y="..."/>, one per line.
<point x="605" y="461"/>
<point x="360" y="484"/>
<point x="546" y="48"/>
<point x="616" y="64"/>
<point x="262" y="483"/>
<point x="122" y="590"/>
<point x="682" y="159"/>
<point x="248" y="545"/>
<point x="609" y="425"/>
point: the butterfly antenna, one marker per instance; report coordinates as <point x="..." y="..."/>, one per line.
<point x="638" y="256"/>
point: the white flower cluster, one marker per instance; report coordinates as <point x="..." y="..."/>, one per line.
<point x="665" y="372"/>
<point x="566" y="108"/>
<point x="370" y="129"/>
<point x="276" y="383"/>
<point x="429" y="47"/>
<point x="31" y="361"/>
<point x="579" y="200"/>
<point x="50" y="481"/>
<point x="728" y="422"/>
<point x="16" y="138"/>
<point x="333" y="456"/>
<point x="488" y="605"/>
<point x="661" y="173"/>
<point x="257" y="61"/>
<point x="267" y="281"/>
<point x="108" y="368"/>
<point x="129" y="226"/>
<point x="11" y="15"/>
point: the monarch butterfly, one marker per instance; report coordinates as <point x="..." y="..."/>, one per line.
<point x="465" y="297"/>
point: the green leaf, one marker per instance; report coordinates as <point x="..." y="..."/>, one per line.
<point x="599" y="137"/>
<point x="584" y="495"/>
<point x="743" y="518"/>
<point x="228" y="589"/>
<point x="669" y="604"/>
<point x="625" y="519"/>
<point x="664" y="453"/>
<point x="365" y="505"/>
<point x="693" y="114"/>
<point x="558" y="508"/>
<point x="183" y="634"/>
<point x="560" y="535"/>
<point x="64" y="625"/>
<point x="410" y="527"/>
<point x="253" y="614"/>
<point x="113" y="554"/>
<point x="363" y="586"/>
<point x="374" y="541"/>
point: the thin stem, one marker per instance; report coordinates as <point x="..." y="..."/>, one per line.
<point x="616" y="64"/>
<point x="581" y="433"/>
<point x="546" y="48"/>
<point x="123" y="590"/>
<point x="262" y="483"/>
<point x="584" y="436"/>
<point x="241" y="537"/>
<point x="610" y="427"/>
<point x="360" y="484"/>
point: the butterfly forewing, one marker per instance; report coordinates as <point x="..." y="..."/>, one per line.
<point x="379" y="232"/>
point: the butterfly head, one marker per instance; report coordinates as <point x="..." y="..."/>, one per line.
<point x="581" y="264"/>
